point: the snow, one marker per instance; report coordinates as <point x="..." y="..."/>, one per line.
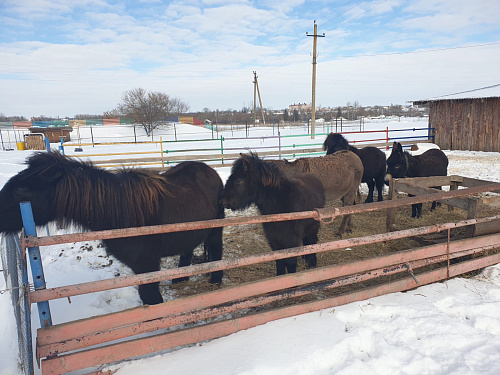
<point x="444" y="328"/>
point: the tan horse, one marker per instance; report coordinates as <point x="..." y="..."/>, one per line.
<point x="340" y="173"/>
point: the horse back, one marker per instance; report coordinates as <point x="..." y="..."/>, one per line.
<point x="374" y="161"/>
<point x="432" y="162"/>
<point x="195" y="191"/>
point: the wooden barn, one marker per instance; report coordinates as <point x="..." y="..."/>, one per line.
<point x="465" y="123"/>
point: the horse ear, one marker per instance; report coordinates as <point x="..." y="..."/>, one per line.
<point x="246" y="162"/>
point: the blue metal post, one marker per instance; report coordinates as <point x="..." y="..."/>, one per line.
<point x="47" y="143"/>
<point x="61" y="147"/>
<point x="35" y="263"/>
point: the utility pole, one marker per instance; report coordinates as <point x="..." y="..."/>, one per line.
<point x="256" y="89"/>
<point x="254" y="96"/>
<point x="313" y="109"/>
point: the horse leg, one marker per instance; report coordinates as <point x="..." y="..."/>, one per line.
<point x="346" y="224"/>
<point x="213" y="247"/>
<point x="311" y="260"/>
<point x="311" y="239"/>
<point x="434" y="203"/>
<point x="138" y="255"/>
<point x="286" y="265"/>
<point x="184" y="260"/>
<point x="149" y="293"/>
<point x="371" y="188"/>
<point x="416" y="210"/>
<point x="280" y="267"/>
<point x="379" y="182"/>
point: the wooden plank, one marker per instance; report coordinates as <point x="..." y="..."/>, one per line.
<point x="493" y="202"/>
<point x="461" y="203"/>
<point x="474" y="182"/>
<point x="487" y="228"/>
<point x="432" y="181"/>
<point x="391" y="212"/>
<point x="453" y="187"/>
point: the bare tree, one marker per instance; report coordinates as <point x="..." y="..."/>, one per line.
<point x="150" y="108"/>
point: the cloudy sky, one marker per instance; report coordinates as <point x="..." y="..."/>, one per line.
<point x="68" y="57"/>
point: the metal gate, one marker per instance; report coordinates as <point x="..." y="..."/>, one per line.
<point x="16" y="279"/>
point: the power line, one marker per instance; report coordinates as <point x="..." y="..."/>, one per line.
<point x="424" y="51"/>
<point x="467" y="91"/>
<point x="343" y="23"/>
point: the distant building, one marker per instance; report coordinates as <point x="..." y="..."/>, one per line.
<point x="301" y="107"/>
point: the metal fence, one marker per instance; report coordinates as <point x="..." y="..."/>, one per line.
<point x="222" y="150"/>
<point x="10" y="138"/>
<point x="16" y="280"/>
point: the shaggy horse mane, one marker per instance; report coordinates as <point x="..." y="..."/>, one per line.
<point x="336" y="139"/>
<point x="96" y="198"/>
<point x="269" y="173"/>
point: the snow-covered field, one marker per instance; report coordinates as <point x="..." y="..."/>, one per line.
<point x="445" y="328"/>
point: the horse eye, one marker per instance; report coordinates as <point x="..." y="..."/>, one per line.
<point x="239" y="181"/>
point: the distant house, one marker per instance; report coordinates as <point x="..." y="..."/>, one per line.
<point x="469" y="121"/>
<point x="301" y="107"/>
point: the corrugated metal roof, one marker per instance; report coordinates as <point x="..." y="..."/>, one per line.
<point x="492" y="91"/>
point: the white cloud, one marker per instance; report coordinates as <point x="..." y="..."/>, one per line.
<point x="205" y="53"/>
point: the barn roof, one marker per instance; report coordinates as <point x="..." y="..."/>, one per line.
<point x="492" y="91"/>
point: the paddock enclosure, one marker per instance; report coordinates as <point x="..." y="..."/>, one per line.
<point x="369" y="262"/>
<point x="222" y="146"/>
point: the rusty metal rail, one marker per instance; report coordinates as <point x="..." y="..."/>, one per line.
<point x="322" y="214"/>
<point x="168" y="274"/>
<point x="146" y="345"/>
<point x="80" y="334"/>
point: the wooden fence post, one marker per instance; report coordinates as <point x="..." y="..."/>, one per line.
<point x="391" y="212"/>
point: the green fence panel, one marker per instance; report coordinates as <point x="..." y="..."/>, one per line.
<point x="94" y="122"/>
<point x="126" y="121"/>
<point x="59" y="123"/>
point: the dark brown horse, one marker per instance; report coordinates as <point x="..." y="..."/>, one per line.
<point x="402" y="164"/>
<point x="253" y="180"/>
<point x="372" y="158"/>
<point x="69" y="191"/>
<point x="340" y="173"/>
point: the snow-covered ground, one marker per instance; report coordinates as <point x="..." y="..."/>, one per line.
<point x="444" y="328"/>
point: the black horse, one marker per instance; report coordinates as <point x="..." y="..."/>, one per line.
<point x="372" y="158"/>
<point x="253" y="180"/>
<point x="402" y="164"/>
<point x="69" y="191"/>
